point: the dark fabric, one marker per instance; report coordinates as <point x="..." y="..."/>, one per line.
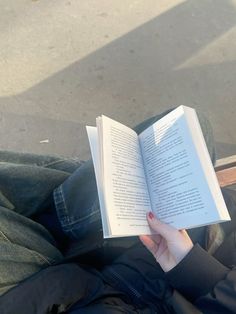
<point x="133" y="283"/>
<point x="195" y="284"/>
<point x="67" y="288"/>
<point x="222" y="299"/>
<point x="52" y="291"/>
<point x="76" y="202"/>
<point x="115" y="304"/>
<point x="181" y="305"/>
<point x="77" y="284"/>
<point x="27" y="180"/>
<point x="49" y="219"/>
<point x="139" y="270"/>
<point x="136" y="273"/>
<point x="230" y="200"/>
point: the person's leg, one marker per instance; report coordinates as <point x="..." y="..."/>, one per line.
<point x="27" y="181"/>
<point x="78" y="210"/>
<point x="26" y="247"/>
<point x="77" y="204"/>
<point x="26" y="185"/>
<point x="46" y="161"/>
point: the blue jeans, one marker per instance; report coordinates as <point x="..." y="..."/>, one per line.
<point x="27" y="183"/>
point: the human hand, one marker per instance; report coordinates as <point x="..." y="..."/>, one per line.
<point x="169" y="246"/>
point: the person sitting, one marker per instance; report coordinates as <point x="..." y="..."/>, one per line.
<point x="54" y="259"/>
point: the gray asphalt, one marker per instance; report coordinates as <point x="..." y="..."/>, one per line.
<point x="62" y="63"/>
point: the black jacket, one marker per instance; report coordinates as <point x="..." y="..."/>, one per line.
<point x="133" y="283"/>
<point x="201" y="285"/>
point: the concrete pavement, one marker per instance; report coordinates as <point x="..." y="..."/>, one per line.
<point x="64" y="62"/>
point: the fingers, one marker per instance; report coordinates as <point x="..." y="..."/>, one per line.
<point x="186" y="237"/>
<point x="164" y="230"/>
<point x="156" y="238"/>
<point x="156" y="249"/>
<point x="149" y="243"/>
<point x="167" y="244"/>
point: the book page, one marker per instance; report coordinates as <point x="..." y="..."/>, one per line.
<point x="178" y="188"/>
<point x="205" y="161"/>
<point x="93" y="142"/>
<point x="126" y="194"/>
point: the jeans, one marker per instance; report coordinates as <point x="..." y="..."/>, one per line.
<point x="27" y="183"/>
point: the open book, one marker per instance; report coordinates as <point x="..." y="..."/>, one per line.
<point x="166" y="169"/>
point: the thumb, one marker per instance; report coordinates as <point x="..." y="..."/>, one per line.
<point x="166" y="231"/>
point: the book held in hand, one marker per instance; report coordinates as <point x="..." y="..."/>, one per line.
<point x="165" y="169"/>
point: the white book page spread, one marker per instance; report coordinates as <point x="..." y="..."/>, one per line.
<point x="125" y="186"/>
<point x="177" y="184"/>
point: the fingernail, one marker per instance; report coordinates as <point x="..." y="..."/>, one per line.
<point x="150" y="215"/>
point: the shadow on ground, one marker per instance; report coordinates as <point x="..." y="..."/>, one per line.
<point x="131" y="78"/>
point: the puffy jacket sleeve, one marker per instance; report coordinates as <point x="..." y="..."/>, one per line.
<point x="204" y="281"/>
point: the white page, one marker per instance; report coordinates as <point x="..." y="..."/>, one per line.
<point x="178" y="187"/>
<point x="205" y="162"/>
<point x="126" y="192"/>
<point x="93" y="142"/>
